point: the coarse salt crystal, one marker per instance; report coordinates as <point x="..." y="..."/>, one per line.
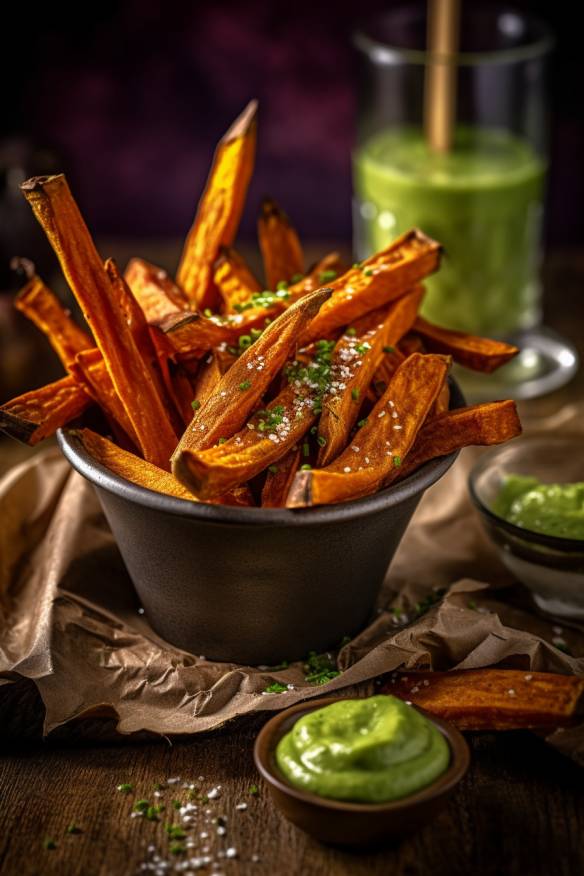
<point x="381" y="414"/>
<point x="347" y="469"/>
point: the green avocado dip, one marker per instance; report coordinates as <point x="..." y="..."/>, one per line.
<point x="552" y="509"/>
<point x="367" y="750"/>
<point x="482" y="200"/>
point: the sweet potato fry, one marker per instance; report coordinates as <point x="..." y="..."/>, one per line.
<point x="234" y="279"/>
<point x="480" y="354"/>
<point x="156" y="293"/>
<point x="279" y="244"/>
<point x="385" y="371"/>
<point x="239" y="390"/>
<point x="279" y="479"/>
<point x="442" y="403"/>
<point x="379" y="280"/>
<point x="494" y="699"/>
<point x="219" y="210"/>
<point x="144" y="474"/>
<point x="43" y="308"/>
<point x="381" y="443"/>
<point x="39" y="413"/>
<point x="61" y="220"/>
<point x="356" y="356"/>
<point x="191" y="335"/>
<point x="89" y="369"/>
<point x="411" y="343"/>
<point x="266" y="438"/>
<point x="485" y="424"/>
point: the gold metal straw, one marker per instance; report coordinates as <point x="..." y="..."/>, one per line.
<point x="440" y="82"/>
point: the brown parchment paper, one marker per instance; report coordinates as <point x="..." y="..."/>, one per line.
<point x="69" y="616"/>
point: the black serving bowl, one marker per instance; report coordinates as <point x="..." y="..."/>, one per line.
<point x="252" y="585"/>
<point x="342" y="822"/>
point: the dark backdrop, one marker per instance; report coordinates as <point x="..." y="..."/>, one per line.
<point x="130" y="97"/>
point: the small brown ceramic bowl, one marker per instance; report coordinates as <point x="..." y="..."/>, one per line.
<point x="355" y="824"/>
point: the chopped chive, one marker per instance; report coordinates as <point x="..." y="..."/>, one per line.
<point x="141" y="805"/>
<point x="281" y="285"/>
<point x="389" y="349"/>
<point x="254" y="790"/>
<point x="327" y="276"/>
<point x="72" y="828"/>
<point x="196" y="404"/>
<point x="472" y="604"/>
<point x="351" y="332"/>
<point x="244" y="341"/>
<point x="245" y="385"/>
<point x="175" y="831"/>
<point x="176" y="804"/>
<point x="275" y="687"/>
<point x="273" y="469"/>
<point x="207" y="312"/>
<point x="177" y="849"/>
<point x="125" y="788"/>
<point x="362" y="423"/>
<point x="233" y="350"/>
<point x="255" y="333"/>
<point x="368" y="272"/>
<point x="49" y="843"/>
<point x="397" y="460"/>
<point x="356" y="265"/>
<point x="296" y="278"/>
<point x="306" y="449"/>
<point x="355" y="393"/>
<point x="305" y="467"/>
<point x="158" y="785"/>
<point x="221" y="440"/>
<point x="321" y="441"/>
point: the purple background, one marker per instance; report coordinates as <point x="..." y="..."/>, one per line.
<point x="132" y="96"/>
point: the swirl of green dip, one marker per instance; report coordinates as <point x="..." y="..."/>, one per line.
<point x="366" y="750"/>
<point x="552" y="509"/>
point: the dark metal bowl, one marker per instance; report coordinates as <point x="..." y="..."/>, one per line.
<point x="253" y="585"/>
<point x="344" y="823"/>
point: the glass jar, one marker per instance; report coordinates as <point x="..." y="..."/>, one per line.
<point x="482" y="199"/>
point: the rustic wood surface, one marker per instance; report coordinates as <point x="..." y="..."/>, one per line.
<point x="518" y="812"/>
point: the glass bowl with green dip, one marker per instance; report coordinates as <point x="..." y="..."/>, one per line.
<point x="531" y="498"/>
<point x="360" y="771"/>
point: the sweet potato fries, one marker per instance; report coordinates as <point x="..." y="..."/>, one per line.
<point x="308" y="386"/>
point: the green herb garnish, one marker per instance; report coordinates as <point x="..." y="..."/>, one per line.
<point x="305" y="467"/>
<point x="351" y="332"/>
<point x="296" y="278"/>
<point x="389" y="349"/>
<point x="196" y="404"/>
<point x="245" y="385"/>
<point x="175" y="831"/>
<point x="275" y="687"/>
<point x="273" y="469"/>
<point x="362" y="423"/>
<point x="327" y="276"/>
<point x="72" y="828"/>
<point x="321" y="441"/>
<point x="320" y="668"/>
<point x="125" y="788"/>
<point x="49" y="843"/>
<point x="282" y="285"/>
<point x="221" y="440"/>
<point x="355" y="393"/>
<point x="141" y="805"/>
<point x="254" y="790"/>
<point x="397" y="461"/>
<point x="177" y="849"/>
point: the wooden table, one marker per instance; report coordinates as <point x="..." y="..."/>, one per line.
<point x="519" y="811"/>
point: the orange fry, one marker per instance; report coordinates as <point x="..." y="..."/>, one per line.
<point x="355" y="359"/>
<point x="381" y="443"/>
<point x="154" y="290"/>
<point x="39" y="413"/>
<point x="234" y="279"/>
<point x="42" y="307"/>
<point x="279" y="244"/>
<point x="219" y="210"/>
<point x="485" y="424"/>
<point x="494" y="699"/>
<point x="279" y="479"/>
<point x="480" y="354"/>
<point x="379" y="280"/>
<point x="191" y="335"/>
<point x="144" y="474"/>
<point x="59" y="216"/>
<point x="89" y="369"/>
<point x="218" y="469"/>
<point x="240" y="389"/>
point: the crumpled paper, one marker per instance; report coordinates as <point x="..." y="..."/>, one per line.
<point x="70" y="620"/>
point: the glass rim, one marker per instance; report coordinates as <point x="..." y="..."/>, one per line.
<point x="385" y="53"/>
